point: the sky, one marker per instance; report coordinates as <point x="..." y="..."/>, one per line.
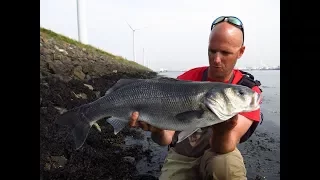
<point x="174" y="34"/>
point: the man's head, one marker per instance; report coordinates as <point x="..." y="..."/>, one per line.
<point x="225" y="48"/>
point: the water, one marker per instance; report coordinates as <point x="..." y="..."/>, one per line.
<point x="270" y="81"/>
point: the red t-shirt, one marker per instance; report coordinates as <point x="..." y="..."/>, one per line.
<point x="195" y="74"/>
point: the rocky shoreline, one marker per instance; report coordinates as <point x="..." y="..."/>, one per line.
<point x="70" y="76"/>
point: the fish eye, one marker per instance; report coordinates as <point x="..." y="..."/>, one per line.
<point x="241" y="92"/>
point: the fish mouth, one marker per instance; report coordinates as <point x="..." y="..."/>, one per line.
<point x="257" y="99"/>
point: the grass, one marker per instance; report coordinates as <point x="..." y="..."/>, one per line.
<point x="93" y="49"/>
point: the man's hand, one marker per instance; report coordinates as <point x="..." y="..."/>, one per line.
<point x="160" y="136"/>
<point x="226" y="135"/>
<point x="223" y="139"/>
<point x="225" y="127"/>
<point x="143" y="125"/>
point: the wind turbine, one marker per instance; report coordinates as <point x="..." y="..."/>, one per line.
<point x="133" y="31"/>
<point x="143" y="57"/>
<point x="82" y="24"/>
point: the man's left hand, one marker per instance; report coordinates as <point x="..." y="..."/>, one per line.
<point x="223" y="139"/>
<point x="226" y="126"/>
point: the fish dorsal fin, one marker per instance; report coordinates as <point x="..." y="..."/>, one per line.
<point x="163" y="78"/>
<point x="120" y="83"/>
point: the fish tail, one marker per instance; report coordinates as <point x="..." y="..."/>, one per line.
<point x="79" y="124"/>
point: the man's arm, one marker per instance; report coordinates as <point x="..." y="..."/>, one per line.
<point x="227" y="135"/>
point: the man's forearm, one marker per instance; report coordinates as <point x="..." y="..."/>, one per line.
<point x="156" y="137"/>
<point x="224" y="143"/>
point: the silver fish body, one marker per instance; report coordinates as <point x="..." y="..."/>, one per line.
<point x="165" y="103"/>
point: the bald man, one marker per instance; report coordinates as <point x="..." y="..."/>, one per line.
<point x="210" y="153"/>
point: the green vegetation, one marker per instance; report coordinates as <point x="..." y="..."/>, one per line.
<point x="59" y="37"/>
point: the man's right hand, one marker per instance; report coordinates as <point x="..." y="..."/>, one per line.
<point x="143" y="125"/>
<point x="160" y="136"/>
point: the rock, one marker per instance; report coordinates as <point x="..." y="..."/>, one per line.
<point x="66" y="60"/>
<point x="44" y="51"/>
<point x="42" y="63"/>
<point x="97" y="94"/>
<point x="45" y="84"/>
<point x="87" y="68"/>
<point x="77" y="71"/>
<point x="89" y="86"/>
<point x="258" y="177"/>
<point x="88" y="77"/>
<point x="47" y="167"/>
<point x="58" y="161"/>
<point x="145" y="177"/>
<point x="61" y="110"/>
<point x="52" y="67"/>
<point x="60" y="50"/>
<point x="80" y="95"/>
<point x="48" y="58"/>
<point x="129" y="159"/>
<point x="55" y="67"/>
<point x="62" y="78"/>
<point x="57" y="56"/>
<point x="44" y="109"/>
<point x="99" y="69"/>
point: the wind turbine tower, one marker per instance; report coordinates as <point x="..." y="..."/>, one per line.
<point x="133" y="31"/>
<point x="143" y="57"/>
<point x="82" y="23"/>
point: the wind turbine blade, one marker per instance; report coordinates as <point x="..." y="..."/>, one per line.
<point x="143" y="28"/>
<point x="129" y="26"/>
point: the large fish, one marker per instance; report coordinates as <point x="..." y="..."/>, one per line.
<point x="165" y="103"/>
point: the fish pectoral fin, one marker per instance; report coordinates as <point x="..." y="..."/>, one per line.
<point x="120" y="83"/>
<point x="117" y="123"/>
<point x="185" y="134"/>
<point x="190" y="115"/>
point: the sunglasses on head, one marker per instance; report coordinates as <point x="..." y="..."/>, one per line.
<point x="230" y="19"/>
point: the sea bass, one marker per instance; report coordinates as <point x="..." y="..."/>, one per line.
<point x="165" y="103"/>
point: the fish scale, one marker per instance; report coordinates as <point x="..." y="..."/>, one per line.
<point x="165" y="103"/>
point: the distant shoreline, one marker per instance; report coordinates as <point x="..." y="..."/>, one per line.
<point x="240" y="69"/>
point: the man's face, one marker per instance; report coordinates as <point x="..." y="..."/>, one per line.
<point x="225" y="47"/>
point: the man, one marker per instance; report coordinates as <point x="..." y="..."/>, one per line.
<point x="210" y="153"/>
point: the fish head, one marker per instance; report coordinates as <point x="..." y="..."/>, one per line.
<point x="227" y="100"/>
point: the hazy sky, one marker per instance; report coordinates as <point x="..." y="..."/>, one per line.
<point x="176" y="37"/>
